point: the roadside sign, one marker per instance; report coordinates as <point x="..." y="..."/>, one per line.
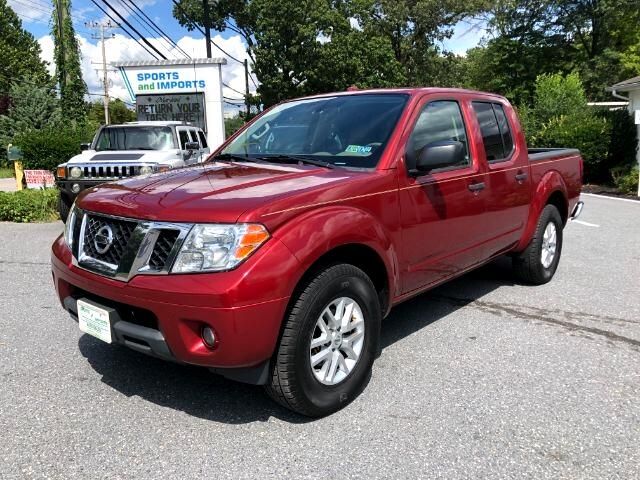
<point x="180" y="107"/>
<point x="14" y="153"/>
<point x="39" y="178"/>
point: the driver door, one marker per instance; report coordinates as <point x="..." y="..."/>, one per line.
<point x="441" y="210"/>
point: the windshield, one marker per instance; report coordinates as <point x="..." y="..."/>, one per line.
<point x="348" y="130"/>
<point x="135" y="138"/>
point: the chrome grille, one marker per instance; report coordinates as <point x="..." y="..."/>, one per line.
<point x="121" y="231"/>
<point x="134" y="247"/>
<point x="104" y="171"/>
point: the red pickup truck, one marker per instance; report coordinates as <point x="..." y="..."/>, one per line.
<point x="275" y="261"/>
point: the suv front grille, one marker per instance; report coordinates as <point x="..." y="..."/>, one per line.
<point x="110" y="172"/>
<point x="98" y="226"/>
<point x="121" y="248"/>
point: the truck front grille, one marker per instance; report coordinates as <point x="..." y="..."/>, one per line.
<point x="97" y="227"/>
<point x="121" y="248"/>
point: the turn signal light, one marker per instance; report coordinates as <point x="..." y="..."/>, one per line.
<point x="253" y="237"/>
<point x="163" y="168"/>
<point x="61" y="172"/>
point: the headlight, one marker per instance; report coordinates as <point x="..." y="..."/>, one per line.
<point x="75" y="172"/>
<point x="146" y="170"/>
<point x="68" y="227"/>
<point x="210" y="248"/>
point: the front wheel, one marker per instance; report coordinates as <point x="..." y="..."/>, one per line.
<point x="328" y="344"/>
<point x="538" y="262"/>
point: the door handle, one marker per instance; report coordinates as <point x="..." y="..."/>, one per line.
<point x="521" y="177"/>
<point x="476" y="187"/>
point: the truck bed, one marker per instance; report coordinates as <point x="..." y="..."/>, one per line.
<point x="538" y="154"/>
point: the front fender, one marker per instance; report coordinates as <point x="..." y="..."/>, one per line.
<point x="550" y="183"/>
<point x="311" y="235"/>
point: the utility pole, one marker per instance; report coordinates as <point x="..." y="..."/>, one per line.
<point x="105" y="72"/>
<point x="207" y="25"/>
<point x="246" y="85"/>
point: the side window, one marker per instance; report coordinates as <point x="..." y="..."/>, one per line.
<point x="184" y="138"/>
<point x="438" y="120"/>
<point x="490" y="131"/>
<point x="505" y="131"/>
<point x="203" y="139"/>
<point x="194" y="135"/>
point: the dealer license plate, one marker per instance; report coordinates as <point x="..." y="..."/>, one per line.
<point x="94" y="321"/>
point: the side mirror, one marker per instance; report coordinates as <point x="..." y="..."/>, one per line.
<point x="444" y="153"/>
<point x="192" y="146"/>
<point x="85" y="146"/>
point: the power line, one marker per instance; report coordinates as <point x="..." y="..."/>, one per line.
<point x="134" y="29"/>
<point x="162" y="41"/>
<point x="155" y="27"/>
<point x="125" y="30"/>
<point x="231" y="88"/>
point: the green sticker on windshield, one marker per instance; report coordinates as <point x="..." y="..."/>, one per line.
<point x="359" y="149"/>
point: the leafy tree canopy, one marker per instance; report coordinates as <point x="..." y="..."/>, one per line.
<point x="19" y="52"/>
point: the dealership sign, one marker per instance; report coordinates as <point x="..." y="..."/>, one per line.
<point x="180" y="107"/>
<point x="183" y="90"/>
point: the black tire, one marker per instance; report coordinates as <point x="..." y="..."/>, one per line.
<point x="292" y="382"/>
<point x="528" y="265"/>
<point x="64" y="206"/>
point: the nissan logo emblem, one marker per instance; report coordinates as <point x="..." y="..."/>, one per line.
<point x="103" y="239"/>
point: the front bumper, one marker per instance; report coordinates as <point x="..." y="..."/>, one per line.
<point x="163" y="315"/>
<point x="66" y="186"/>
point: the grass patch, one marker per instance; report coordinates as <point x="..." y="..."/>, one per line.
<point x="6" y="172"/>
<point x="29" y="206"/>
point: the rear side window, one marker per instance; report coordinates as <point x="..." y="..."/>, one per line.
<point x="203" y="139"/>
<point x="505" y="131"/>
<point x="494" y="127"/>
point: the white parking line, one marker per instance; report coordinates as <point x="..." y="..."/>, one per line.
<point x="609" y="198"/>
<point x="586" y="224"/>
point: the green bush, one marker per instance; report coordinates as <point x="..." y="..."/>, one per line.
<point x="560" y="117"/>
<point x="588" y="133"/>
<point x="46" y="149"/>
<point x="626" y="179"/>
<point x="29" y="206"/>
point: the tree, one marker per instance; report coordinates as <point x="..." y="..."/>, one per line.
<point x="67" y="59"/>
<point x="118" y="112"/>
<point x="299" y="47"/>
<point x="32" y="108"/>
<point x="19" y="55"/>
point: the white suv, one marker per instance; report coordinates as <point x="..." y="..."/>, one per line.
<point x="127" y="150"/>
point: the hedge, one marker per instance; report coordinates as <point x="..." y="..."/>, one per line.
<point x="29" y="206"/>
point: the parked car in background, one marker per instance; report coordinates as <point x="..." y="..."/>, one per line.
<point x="275" y="262"/>
<point x="129" y="150"/>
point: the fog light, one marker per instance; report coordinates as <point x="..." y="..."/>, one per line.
<point x="75" y="188"/>
<point x="208" y="337"/>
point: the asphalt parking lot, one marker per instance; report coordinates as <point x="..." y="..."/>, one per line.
<point x="480" y="378"/>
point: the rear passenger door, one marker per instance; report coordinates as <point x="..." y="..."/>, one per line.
<point x="508" y="182"/>
<point x="441" y="210"/>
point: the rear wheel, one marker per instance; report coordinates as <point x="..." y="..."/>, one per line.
<point x="64" y="206"/>
<point x="328" y="344"/>
<point x="538" y="262"/>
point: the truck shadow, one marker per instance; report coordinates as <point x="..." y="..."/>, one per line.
<point x="197" y="392"/>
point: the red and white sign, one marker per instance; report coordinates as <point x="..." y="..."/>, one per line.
<point x="39" y="178"/>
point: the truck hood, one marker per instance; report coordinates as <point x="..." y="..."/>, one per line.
<point x="124" y="156"/>
<point x="211" y="192"/>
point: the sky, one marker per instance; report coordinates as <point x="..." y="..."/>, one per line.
<point x="36" y="15"/>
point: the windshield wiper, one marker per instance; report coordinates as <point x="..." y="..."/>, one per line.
<point x="297" y="159"/>
<point x="233" y="156"/>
